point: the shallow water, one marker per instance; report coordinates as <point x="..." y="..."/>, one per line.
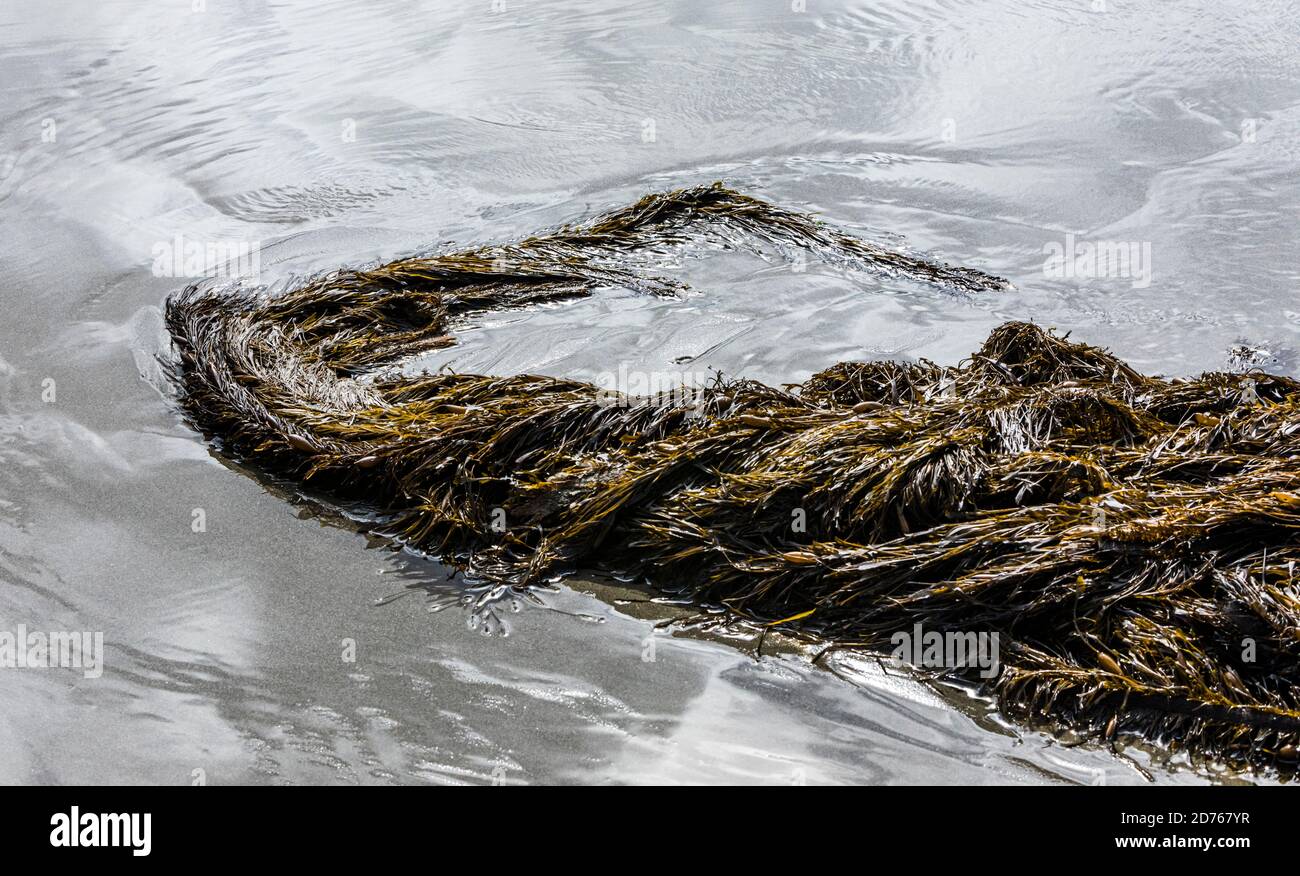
<point x="342" y="132"/>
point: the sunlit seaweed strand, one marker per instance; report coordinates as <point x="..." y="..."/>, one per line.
<point x="1130" y="539"/>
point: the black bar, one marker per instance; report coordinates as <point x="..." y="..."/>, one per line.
<point x="1038" y="826"/>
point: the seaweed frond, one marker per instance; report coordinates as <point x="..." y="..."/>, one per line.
<point x="1130" y="539"/>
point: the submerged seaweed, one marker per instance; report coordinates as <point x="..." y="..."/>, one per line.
<point x="1131" y="539"/>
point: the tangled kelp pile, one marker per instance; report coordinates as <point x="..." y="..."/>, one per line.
<point x="1131" y="539"/>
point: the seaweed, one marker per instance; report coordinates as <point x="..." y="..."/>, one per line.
<point x="1131" y="539"/>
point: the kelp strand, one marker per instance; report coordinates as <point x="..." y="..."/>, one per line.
<point x="1131" y="539"/>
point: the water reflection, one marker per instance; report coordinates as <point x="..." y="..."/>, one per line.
<point x="346" y="132"/>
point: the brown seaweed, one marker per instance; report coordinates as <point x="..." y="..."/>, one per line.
<point x="1131" y="539"/>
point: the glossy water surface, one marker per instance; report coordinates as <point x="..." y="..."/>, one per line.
<point x="345" y="131"/>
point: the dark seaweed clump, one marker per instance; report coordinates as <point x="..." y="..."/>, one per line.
<point x="1131" y="539"/>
